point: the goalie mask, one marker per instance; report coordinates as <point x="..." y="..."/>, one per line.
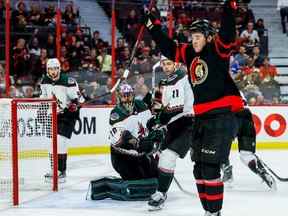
<point x="53" y="68"/>
<point x="126" y="97"/>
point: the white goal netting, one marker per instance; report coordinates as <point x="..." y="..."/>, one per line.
<point x="22" y="174"/>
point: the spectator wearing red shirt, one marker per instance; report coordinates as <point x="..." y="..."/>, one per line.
<point x="267" y="71"/>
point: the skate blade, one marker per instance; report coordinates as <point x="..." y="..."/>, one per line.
<point x="272" y="187"/>
<point x="155" y="208"/>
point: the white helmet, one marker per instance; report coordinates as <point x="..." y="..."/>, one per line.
<point x="53" y="63"/>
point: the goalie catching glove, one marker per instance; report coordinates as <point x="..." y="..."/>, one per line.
<point x="152" y="142"/>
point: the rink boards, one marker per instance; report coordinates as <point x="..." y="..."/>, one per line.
<point x="90" y="134"/>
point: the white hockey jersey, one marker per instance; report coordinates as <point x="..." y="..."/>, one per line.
<point x="64" y="90"/>
<point x="135" y="123"/>
<point x="176" y="95"/>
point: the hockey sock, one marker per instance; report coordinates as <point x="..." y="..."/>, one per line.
<point x="201" y="192"/>
<point x="200" y="184"/>
<point x="214" y="187"/>
<point x="214" y="195"/>
<point x="62" y="161"/>
<point x="164" y="181"/>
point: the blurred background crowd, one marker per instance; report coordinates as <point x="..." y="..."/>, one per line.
<point x="86" y="55"/>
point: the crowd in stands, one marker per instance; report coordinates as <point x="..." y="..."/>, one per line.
<point x="88" y="58"/>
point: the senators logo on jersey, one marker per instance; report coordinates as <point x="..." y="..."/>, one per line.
<point x="198" y="71"/>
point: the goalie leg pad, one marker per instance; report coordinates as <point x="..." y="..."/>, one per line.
<point x="247" y="156"/>
<point x="167" y="161"/>
<point x="118" y="189"/>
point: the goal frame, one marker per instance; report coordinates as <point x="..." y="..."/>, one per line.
<point x="14" y="141"/>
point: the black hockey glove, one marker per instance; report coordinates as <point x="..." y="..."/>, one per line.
<point x="152" y="123"/>
<point x="73" y="106"/>
<point x="146" y="145"/>
<point x="152" y="142"/>
<point x="151" y="17"/>
<point x="157" y="135"/>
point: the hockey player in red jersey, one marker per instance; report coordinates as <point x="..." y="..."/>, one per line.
<point x="216" y="97"/>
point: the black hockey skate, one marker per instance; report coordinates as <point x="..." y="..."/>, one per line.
<point x="156" y="201"/>
<point x="207" y="213"/>
<point x="61" y="177"/>
<point x="227" y="176"/>
<point x="257" y="167"/>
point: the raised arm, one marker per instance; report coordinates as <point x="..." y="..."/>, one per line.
<point x="167" y="46"/>
<point x="226" y="39"/>
<point x="227" y="32"/>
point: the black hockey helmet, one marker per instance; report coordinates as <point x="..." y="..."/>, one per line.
<point x="203" y="26"/>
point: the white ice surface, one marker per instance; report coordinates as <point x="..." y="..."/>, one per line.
<point x="247" y="196"/>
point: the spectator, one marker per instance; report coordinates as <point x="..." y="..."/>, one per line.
<point x="140" y="88"/>
<point x="130" y="28"/>
<point x="260" y="100"/>
<point x="35" y="14"/>
<point x="259" y="27"/>
<point x="51" y="46"/>
<point x="144" y="62"/>
<point x="69" y="16"/>
<point x="94" y="63"/>
<point x="34" y="48"/>
<point x="249" y="68"/>
<point x="103" y="90"/>
<point x="64" y="59"/>
<point x="283" y="7"/>
<point x="49" y="15"/>
<point x="21" y="58"/>
<point x="14" y="92"/>
<point x="124" y="56"/>
<point x="105" y="60"/>
<point x="40" y="67"/>
<point x="257" y="57"/>
<point x="251" y="35"/>
<point x="28" y="91"/>
<point x="20" y="16"/>
<point x="241" y="57"/>
<point x="132" y="20"/>
<point x="267" y="71"/>
<point x="252" y="101"/>
<point x="155" y="52"/>
<point x="269" y="86"/>
<point x="97" y="42"/>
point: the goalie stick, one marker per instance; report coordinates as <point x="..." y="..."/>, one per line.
<point x="272" y="172"/>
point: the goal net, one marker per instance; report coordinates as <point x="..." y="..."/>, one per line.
<point x="28" y="141"/>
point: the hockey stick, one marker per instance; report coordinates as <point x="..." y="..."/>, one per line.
<point x="182" y="189"/>
<point x="273" y="173"/>
<point x="133" y="53"/>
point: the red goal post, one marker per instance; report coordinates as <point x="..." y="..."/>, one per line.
<point x="28" y="136"/>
